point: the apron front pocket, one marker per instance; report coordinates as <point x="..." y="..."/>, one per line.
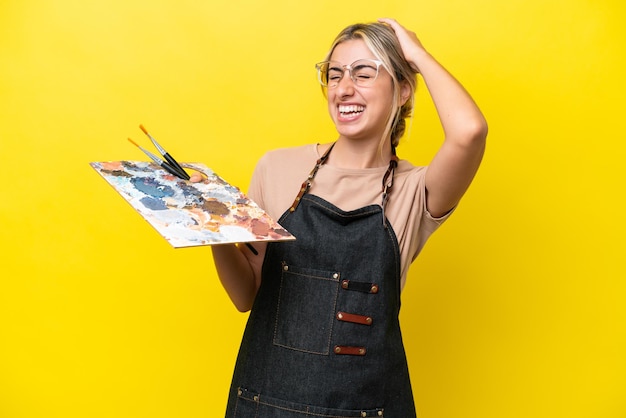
<point x="306" y="308"/>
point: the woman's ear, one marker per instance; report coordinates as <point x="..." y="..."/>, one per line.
<point x="405" y="92"/>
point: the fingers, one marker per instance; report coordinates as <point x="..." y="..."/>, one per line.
<point x="391" y="22"/>
<point x="395" y="25"/>
<point x="400" y="30"/>
<point x="196" y="177"/>
<point x="409" y="42"/>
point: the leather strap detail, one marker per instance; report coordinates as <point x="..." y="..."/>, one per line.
<point x="349" y="350"/>
<point x="360" y="286"/>
<point x="354" y="318"/>
<point x="306" y="185"/>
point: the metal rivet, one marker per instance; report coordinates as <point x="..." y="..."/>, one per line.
<point x="337" y="350"/>
<point x="368" y="320"/>
<point x="344" y="284"/>
<point x="336" y="276"/>
<point x="374" y="288"/>
<point x="285" y="268"/>
<point x="361" y="351"/>
<point x="339" y="315"/>
<point x="363" y="413"/>
<point x="380" y="413"/>
<point x="239" y="392"/>
<point x="256" y="398"/>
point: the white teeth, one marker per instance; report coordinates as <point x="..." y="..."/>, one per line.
<point x="351" y="109"/>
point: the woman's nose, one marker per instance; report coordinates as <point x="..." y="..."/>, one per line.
<point x="346" y="84"/>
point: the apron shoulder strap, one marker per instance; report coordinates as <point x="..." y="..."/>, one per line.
<point x="306" y="185"/>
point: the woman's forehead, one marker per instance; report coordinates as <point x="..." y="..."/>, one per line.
<point x="349" y="51"/>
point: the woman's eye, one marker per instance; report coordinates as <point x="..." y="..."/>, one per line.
<point x="334" y="75"/>
<point x="365" y="73"/>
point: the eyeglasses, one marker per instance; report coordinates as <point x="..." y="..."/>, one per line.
<point x="362" y="72"/>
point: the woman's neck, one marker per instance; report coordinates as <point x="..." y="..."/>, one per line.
<point x="358" y="154"/>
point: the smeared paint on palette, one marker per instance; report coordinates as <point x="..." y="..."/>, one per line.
<point x="190" y="214"/>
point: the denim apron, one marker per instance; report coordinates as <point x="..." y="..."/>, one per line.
<point x="323" y="337"/>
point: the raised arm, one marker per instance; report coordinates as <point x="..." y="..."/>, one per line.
<point x="452" y="169"/>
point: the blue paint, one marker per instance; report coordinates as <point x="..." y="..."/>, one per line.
<point x="152" y="203"/>
<point x="151" y="187"/>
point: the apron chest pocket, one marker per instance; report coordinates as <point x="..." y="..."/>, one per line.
<point x="305" y="309"/>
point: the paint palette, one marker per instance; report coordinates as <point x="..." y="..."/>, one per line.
<point x="190" y="214"/>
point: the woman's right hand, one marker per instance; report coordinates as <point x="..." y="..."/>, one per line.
<point x="412" y="47"/>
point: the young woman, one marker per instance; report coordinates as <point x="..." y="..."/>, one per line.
<point x="323" y="337"/>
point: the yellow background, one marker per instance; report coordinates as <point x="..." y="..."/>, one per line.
<point x="517" y="306"/>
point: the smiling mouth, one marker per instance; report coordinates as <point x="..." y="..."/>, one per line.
<point x="351" y="110"/>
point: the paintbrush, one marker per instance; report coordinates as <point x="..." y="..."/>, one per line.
<point x="164" y="153"/>
<point x="172" y="168"/>
<point x="164" y="164"/>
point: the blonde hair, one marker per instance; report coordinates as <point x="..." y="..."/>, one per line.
<point x="383" y="43"/>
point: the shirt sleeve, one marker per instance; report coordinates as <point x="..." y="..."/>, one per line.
<point x="421" y="223"/>
<point x="255" y="189"/>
